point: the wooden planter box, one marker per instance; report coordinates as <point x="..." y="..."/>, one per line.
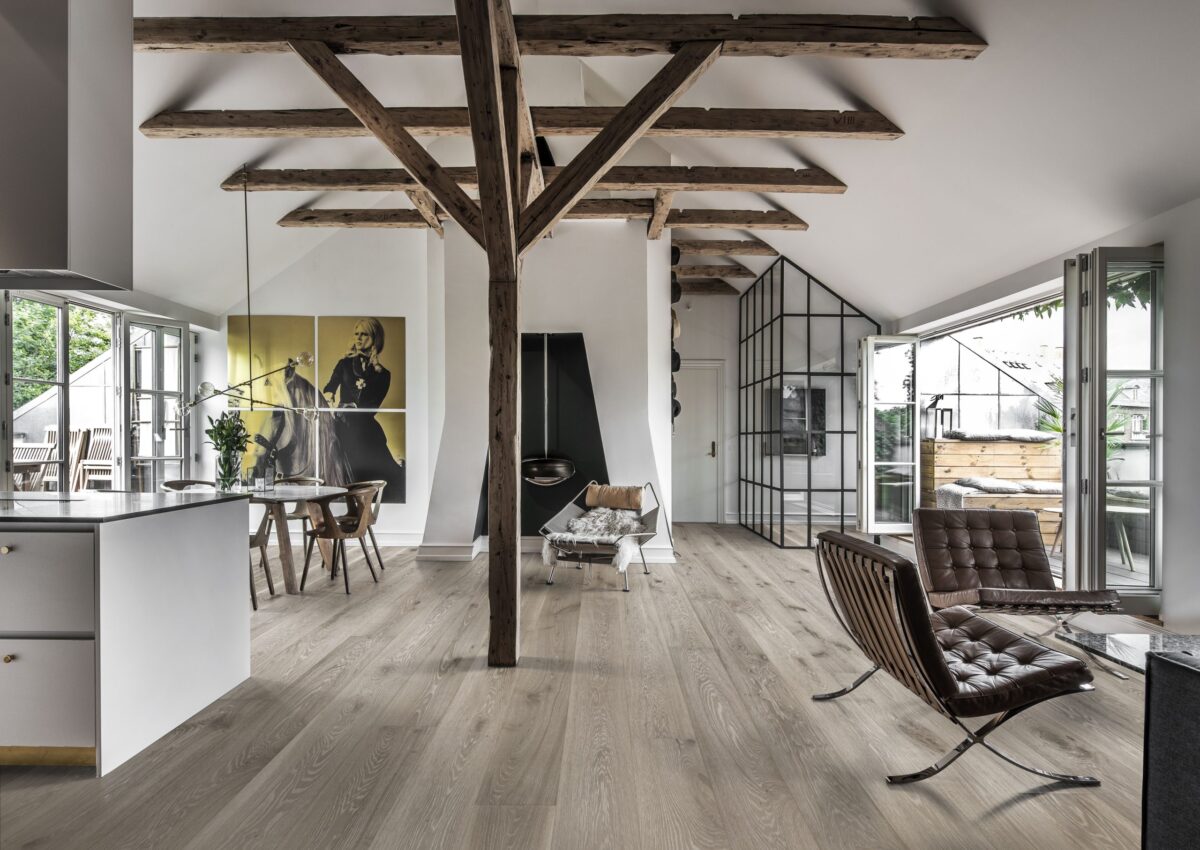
<point x="946" y="461"/>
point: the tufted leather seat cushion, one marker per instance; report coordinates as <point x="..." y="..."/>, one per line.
<point x="962" y="550"/>
<point x="1085" y="599"/>
<point x="996" y="669"/>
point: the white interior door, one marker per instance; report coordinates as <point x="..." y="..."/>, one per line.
<point x="696" y="450"/>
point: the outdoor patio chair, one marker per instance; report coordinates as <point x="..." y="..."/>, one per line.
<point x="29" y="462"/>
<point x="995" y="560"/>
<point x="97" y="465"/>
<point x="960" y="664"/>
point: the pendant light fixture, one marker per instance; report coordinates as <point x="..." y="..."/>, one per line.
<point x="242" y="394"/>
<point x="546" y="471"/>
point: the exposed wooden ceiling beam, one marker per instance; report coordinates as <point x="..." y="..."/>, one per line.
<point x="662" y="208"/>
<point x="670" y="178"/>
<point x="423" y="203"/>
<point x="869" y="36"/>
<point x="424" y="169"/>
<point x="618" y="136"/>
<point x="497" y="194"/>
<point x="526" y="170"/>
<point x="735" y="270"/>
<point x="725" y="247"/>
<point x="706" y="286"/>
<point x="683" y="121"/>
<point x="587" y="209"/>
<point x="736" y="219"/>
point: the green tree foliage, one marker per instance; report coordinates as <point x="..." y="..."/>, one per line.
<point x="35" y="343"/>
<point x="1131" y="290"/>
<point x="1050" y="417"/>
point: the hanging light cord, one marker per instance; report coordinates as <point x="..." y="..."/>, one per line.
<point x="545" y="395"/>
<point x="246" y="243"/>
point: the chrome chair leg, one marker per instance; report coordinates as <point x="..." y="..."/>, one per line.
<point x="626" y="576"/>
<point x="550" y="578"/>
<point x="645" y="566"/>
<point x="979" y="736"/>
<point x="848" y="688"/>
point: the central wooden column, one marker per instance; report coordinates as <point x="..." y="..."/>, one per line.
<point x="504" y="470"/>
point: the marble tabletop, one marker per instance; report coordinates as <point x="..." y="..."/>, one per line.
<point x="1129" y="650"/>
<point x="100" y="505"/>
<point x="292" y="493"/>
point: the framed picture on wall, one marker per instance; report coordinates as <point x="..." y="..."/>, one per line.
<point x="794" y="411"/>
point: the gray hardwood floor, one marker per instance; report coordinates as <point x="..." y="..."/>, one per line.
<point x="675" y="716"/>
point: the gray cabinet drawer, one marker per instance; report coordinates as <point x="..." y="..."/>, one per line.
<point x="48" y="693"/>
<point x="47" y="582"/>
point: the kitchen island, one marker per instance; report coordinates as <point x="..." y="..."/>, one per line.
<point x="121" y="616"/>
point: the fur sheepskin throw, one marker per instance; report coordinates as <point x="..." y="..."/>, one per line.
<point x="603" y="526"/>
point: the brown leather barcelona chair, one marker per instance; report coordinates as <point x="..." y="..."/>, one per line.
<point x="959" y="663"/>
<point x="996" y="560"/>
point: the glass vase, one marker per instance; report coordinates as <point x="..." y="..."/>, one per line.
<point x="229" y="470"/>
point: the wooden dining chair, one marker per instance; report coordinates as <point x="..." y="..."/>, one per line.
<point x="258" y="540"/>
<point x="326" y="525"/>
<point x="375" y="504"/>
<point x="298" y="512"/>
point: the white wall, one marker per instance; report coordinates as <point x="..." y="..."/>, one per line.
<point x="601" y="279"/>
<point x="1179" y="231"/>
<point x="355" y="272"/>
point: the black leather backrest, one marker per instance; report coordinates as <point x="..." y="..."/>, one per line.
<point x="966" y="549"/>
<point x="879" y="597"/>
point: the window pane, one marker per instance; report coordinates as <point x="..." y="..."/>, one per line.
<point x="1129" y="535"/>
<point x="893" y="494"/>
<point x="35" y="436"/>
<point x="893" y="371"/>
<point x="171" y="361"/>
<point x="141" y="425"/>
<point x="91" y="397"/>
<point x="172" y="427"/>
<point x="1130" y="318"/>
<point x="893" y="433"/>
<point x="141" y="357"/>
<point x="1133" y="444"/>
<point x="34" y="340"/>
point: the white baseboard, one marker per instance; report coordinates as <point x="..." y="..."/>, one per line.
<point x="451" y="551"/>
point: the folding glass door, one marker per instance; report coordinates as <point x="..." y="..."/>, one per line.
<point x="59" y="402"/>
<point x="889" y="447"/>
<point x="156" y="360"/>
<point x="1115" y="449"/>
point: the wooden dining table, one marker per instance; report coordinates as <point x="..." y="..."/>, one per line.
<point x="276" y="501"/>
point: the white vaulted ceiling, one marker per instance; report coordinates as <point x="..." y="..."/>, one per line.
<point x="1079" y="119"/>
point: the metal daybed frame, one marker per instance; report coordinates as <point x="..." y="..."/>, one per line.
<point x="581" y="553"/>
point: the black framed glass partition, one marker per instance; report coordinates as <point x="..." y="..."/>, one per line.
<point x="797" y="406"/>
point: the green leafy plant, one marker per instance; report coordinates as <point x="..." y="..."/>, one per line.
<point x="229" y="436"/>
<point x="1050" y="418"/>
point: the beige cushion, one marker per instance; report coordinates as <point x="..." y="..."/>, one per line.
<point x="610" y="496"/>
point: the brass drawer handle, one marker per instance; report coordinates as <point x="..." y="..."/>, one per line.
<point x="9" y="659"/>
<point x="4" y="550"/>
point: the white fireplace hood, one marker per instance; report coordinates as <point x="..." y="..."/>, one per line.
<point x="66" y="144"/>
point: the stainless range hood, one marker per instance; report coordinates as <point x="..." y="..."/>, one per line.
<point x="66" y="144"/>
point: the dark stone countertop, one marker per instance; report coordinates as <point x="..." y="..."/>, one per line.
<point x="100" y="506"/>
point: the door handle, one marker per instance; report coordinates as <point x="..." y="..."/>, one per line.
<point x="713" y="451"/>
